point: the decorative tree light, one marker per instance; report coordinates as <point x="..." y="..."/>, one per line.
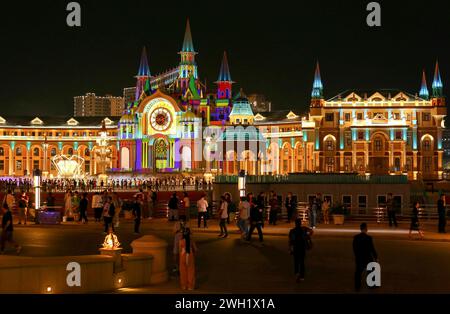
<point x="103" y="152"/>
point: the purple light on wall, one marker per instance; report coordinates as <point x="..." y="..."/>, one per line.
<point x="138" y="154"/>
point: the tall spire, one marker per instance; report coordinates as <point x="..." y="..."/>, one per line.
<point x="317" y="91"/>
<point x="437" y="82"/>
<point x="224" y="75"/>
<point x="144" y="70"/>
<point x="423" y="93"/>
<point x="188" y="45"/>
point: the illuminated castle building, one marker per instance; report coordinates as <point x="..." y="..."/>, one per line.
<point x="175" y="124"/>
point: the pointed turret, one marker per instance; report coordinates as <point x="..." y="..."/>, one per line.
<point x="423" y="93"/>
<point x="317" y="91"/>
<point x="437" y="86"/>
<point x="143" y="74"/>
<point x="144" y="69"/>
<point x="187" y="66"/>
<point x="224" y="81"/>
<point x="188" y="45"/>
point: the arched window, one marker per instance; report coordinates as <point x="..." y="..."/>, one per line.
<point x="70" y="151"/>
<point x="2" y="151"/>
<point x="36" y="152"/>
<point x="87" y="152"/>
<point x="19" y="151"/>
<point x="426" y="145"/>
<point x="53" y="152"/>
<point x="330" y="145"/>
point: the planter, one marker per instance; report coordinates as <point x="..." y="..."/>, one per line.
<point x="338" y="219"/>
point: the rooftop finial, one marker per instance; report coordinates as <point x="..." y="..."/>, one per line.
<point x="317" y="91"/>
<point x="423" y="93"/>
<point x="188" y="45"/>
<point x="224" y="75"/>
<point x="437" y="82"/>
<point x="144" y="69"/>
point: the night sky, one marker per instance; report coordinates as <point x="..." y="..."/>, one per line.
<point x="272" y="47"/>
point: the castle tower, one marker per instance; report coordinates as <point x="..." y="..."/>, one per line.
<point x="188" y="66"/>
<point x="224" y="82"/>
<point x="143" y="74"/>
<point x="438" y="98"/>
<point x="317" y="90"/>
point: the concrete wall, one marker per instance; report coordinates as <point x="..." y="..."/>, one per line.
<point x="34" y="275"/>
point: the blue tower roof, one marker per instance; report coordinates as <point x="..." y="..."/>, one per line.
<point x="423" y="93"/>
<point x="188" y="45"/>
<point x="224" y="75"/>
<point x="317" y="91"/>
<point x="241" y="107"/>
<point x="144" y="69"/>
<point x="437" y="82"/>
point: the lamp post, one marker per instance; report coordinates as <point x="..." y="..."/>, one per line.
<point x="45" y="146"/>
<point x="241" y="183"/>
<point x="37" y="188"/>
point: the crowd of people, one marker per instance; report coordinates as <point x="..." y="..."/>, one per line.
<point x="158" y="183"/>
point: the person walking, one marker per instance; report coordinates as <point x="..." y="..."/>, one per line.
<point x="83" y="206"/>
<point x="173" y="207"/>
<point x="274" y="207"/>
<point x="9" y="200"/>
<point x="68" y="204"/>
<point x="244" y="214"/>
<point x="415" y="224"/>
<point x="313" y="213"/>
<point x="256" y="221"/>
<point x="137" y="213"/>
<point x="50" y="202"/>
<point x="326" y="211"/>
<point x="390" y="207"/>
<point x="299" y="242"/>
<point x="223" y="215"/>
<point x="23" y="208"/>
<point x="187" y="205"/>
<point x="108" y="214"/>
<point x="188" y="250"/>
<point x="76" y="205"/>
<point x="290" y="206"/>
<point x="364" y="252"/>
<point x="202" y="208"/>
<point x="152" y="198"/>
<point x="178" y="231"/>
<point x="97" y="205"/>
<point x="7" y="231"/>
<point x="118" y="208"/>
<point x="441" y="213"/>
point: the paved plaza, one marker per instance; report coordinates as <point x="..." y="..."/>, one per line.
<point x="233" y="266"/>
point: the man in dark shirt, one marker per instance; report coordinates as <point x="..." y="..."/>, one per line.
<point x="83" y="209"/>
<point x="391" y="210"/>
<point x="50" y="202"/>
<point x="365" y="253"/>
<point x="441" y="213"/>
<point x="7" y="231"/>
<point x="256" y="221"/>
<point x="299" y="242"/>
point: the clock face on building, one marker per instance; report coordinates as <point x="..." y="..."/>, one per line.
<point x="160" y="119"/>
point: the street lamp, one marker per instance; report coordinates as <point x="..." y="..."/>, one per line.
<point x="37" y="188"/>
<point x="45" y="146"/>
<point x="241" y="183"/>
